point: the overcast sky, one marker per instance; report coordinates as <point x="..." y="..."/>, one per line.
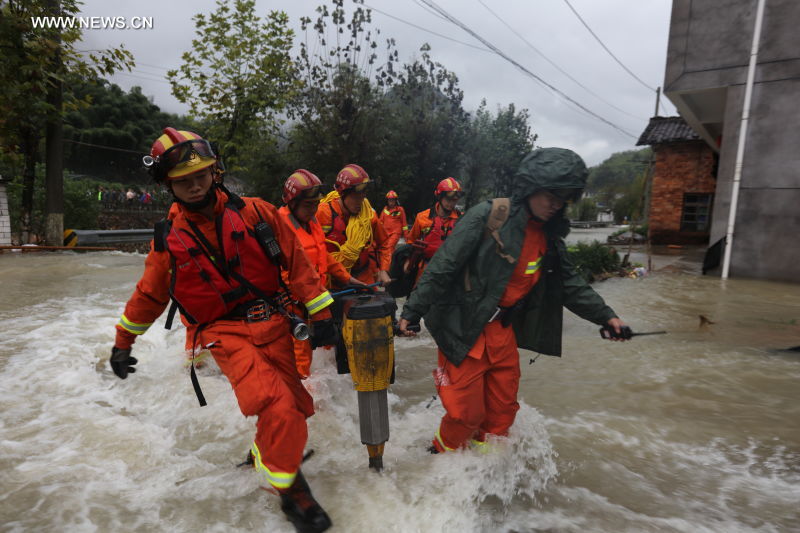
<point x="535" y="34"/>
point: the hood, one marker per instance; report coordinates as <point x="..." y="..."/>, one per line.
<point x="548" y="168"/>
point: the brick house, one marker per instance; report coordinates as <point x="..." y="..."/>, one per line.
<point x="683" y="182"/>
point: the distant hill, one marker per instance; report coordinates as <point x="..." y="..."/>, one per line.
<point x="619" y="172"/>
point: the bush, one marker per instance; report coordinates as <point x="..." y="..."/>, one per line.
<point x="81" y="208"/>
<point x="638" y="229"/>
<point x="593" y="260"/>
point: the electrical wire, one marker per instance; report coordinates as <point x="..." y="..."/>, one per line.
<point x="500" y="53"/>
<point x="565" y="73"/>
<point x="606" y="48"/>
<point x="426" y="30"/>
<point x="142" y="77"/>
<point x="137" y="152"/>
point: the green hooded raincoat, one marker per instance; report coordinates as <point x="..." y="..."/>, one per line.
<point x="456" y="310"/>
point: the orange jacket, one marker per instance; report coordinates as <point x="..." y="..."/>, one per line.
<point x="394" y="220"/>
<point x="152" y="296"/>
<point x="423" y="223"/>
<point x="313" y="242"/>
<point x="379" y="251"/>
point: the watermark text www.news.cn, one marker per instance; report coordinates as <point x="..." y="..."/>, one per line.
<point x="93" y="23"/>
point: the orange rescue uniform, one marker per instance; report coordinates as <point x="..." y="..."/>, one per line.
<point x="328" y="268"/>
<point x="431" y="229"/>
<point x="480" y="394"/>
<point x="256" y="357"/>
<point x="375" y="256"/>
<point x="395" y="223"/>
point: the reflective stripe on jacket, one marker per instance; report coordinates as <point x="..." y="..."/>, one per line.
<point x="151" y="296"/>
<point x="394" y="220"/>
<point x="455" y="316"/>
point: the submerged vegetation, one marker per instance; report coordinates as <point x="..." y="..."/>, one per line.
<point x="595" y="261"/>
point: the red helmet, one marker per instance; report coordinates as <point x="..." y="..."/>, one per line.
<point x="449" y="187"/>
<point x="178" y="153"/>
<point x="391" y="194"/>
<point x="302" y="184"/>
<point x="352" y="177"/>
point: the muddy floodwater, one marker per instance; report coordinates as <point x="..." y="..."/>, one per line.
<point x="697" y="430"/>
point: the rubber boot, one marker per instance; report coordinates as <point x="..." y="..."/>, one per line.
<point x="301" y="509"/>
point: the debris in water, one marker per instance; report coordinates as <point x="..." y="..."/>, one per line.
<point x="705" y="322"/>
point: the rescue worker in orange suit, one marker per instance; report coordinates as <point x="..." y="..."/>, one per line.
<point x="432" y="226"/>
<point x="481" y="300"/>
<point x="302" y="193"/>
<point x="393" y="218"/>
<point x="355" y="236"/>
<point x="219" y="257"/>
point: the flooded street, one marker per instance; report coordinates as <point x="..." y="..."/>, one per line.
<point x="695" y="430"/>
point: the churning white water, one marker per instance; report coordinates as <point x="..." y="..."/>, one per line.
<point x="697" y="430"/>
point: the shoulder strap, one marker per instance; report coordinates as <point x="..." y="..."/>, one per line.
<point x="160" y="231"/>
<point x="233" y="199"/>
<point x="497" y="217"/>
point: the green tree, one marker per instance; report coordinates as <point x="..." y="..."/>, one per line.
<point x="238" y="75"/>
<point x="494" y="150"/>
<point x="614" y="176"/>
<point x="427" y="130"/>
<point x="585" y="209"/>
<point x="108" y="137"/>
<point x="33" y="64"/>
<point x="339" y="114"/>
<point x="629" y="204"/>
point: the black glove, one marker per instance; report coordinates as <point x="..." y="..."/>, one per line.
<point x="122" y="362"/>
<point x="607" y="332"/>
<point x="324" y="333"/>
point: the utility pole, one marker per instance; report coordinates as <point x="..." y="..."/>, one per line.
<point x="54" y="145"/>
<point x="658" y="99"/>
<point x="737" y="173"/>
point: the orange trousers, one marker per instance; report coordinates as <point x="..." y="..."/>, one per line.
<point x="479" y="395"/>
<point x="258" y="360"/>
<point x="393" y="239"/>
<point x="302" y="356"/>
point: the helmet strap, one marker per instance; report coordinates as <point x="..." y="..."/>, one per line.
<point x="440" y="206"/>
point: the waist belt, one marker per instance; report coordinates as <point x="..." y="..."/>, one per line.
<point x="252" y="311"/>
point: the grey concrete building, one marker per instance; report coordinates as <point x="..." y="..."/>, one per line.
<point x="707" y="62"/>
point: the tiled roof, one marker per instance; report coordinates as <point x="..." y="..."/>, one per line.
<point x="662" y="130"/>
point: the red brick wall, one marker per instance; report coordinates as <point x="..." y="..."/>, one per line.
<point x="680" y="168"/>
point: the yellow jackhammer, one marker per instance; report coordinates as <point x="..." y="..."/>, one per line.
<point x="367" y="325"/>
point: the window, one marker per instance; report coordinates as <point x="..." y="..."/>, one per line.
<point x="696" y="215"/>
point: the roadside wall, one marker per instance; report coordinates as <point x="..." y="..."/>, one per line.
<point x="5" y="218"/>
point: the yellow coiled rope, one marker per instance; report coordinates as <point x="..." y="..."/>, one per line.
<point x="358" y="232"/>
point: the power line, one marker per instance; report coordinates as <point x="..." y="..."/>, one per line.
<point x="426" y="30"/>
<point x="137" y="152"/>
<point x="143" y="78"/>
<point x="606" y="48"/>
<point x="565" y="73"/>
<point x="500" y="53"/>
<point x="151" y="66"/>
<point x="429" y="10"/>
